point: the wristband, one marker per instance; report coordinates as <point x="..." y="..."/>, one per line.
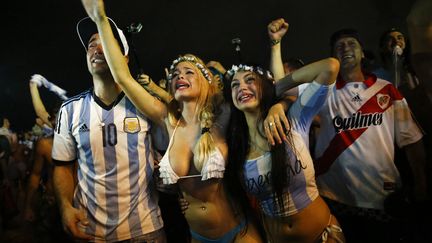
<point x="274" y="42"/>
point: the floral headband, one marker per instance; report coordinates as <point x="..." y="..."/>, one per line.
<point x="234" y="69"/>
<point x="190" y="59"/>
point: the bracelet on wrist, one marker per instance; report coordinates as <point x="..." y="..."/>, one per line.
<point x="274" y="42"/>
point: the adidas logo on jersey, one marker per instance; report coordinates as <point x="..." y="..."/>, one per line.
<point x="83" y="128"/>
<point x="356" y="98"/>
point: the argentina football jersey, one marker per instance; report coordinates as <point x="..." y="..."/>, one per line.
<point x="114" y="151"/>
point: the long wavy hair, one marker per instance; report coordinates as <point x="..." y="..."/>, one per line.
<point x="386" y="55"/>
<point x="239" y="144"/>
<point x="207" y="110"/>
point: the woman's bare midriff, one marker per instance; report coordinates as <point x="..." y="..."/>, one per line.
<point x="209" y="212"/>
<point x="305" y="226"/>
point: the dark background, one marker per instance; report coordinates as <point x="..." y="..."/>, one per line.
<point x="40" y="37"/>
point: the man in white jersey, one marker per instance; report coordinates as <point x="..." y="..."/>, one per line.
<point x="114" y="198"/>
<point x="360" y="122"/>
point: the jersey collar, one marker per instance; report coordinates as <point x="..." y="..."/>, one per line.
<point x="369" y="81"/>
<point x="110" y="106"/>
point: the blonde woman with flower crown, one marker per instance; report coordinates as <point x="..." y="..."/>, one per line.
<point x="197" y="151"/>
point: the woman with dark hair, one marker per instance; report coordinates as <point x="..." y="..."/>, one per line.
<point x="281" y="176"/>
<point x="394" y="51"/>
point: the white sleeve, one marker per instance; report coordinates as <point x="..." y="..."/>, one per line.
<point x="406" y="129"/>
<point x="64" y="145"/>
<point x="307" y="106"/>
<point x="301" y="88"/>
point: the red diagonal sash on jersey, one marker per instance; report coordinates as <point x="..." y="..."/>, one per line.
<point x="344" y="139"/>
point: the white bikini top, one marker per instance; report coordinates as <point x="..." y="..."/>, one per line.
<point x="214" y="167"/>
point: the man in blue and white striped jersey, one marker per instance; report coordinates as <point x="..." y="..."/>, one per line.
<point x="114" y="198"/>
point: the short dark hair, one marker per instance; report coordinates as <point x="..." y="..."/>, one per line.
<point x="384" y="36"/>
<point x="385" y="54"/>
<point x="348" y="32"/>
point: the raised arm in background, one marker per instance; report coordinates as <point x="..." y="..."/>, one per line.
<point x="154" y="89"/>
<point x="38" y="105"/>
<point x="276" y="31"/>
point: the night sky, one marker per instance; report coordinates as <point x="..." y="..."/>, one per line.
<point x="40" y="37"/>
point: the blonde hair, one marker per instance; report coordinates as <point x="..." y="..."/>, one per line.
<point x="208" y="104"/>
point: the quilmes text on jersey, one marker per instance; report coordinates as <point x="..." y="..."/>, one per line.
<point x="357" y="120"/>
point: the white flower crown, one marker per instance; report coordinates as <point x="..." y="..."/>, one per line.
<point x="190" y="59"/>
<point x="234" y="69"/>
